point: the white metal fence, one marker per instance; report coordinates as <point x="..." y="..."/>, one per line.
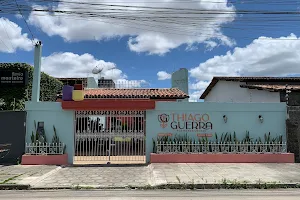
<point x="130" y="84"/>
<point x="44" y="148"/>
<point x="211" y="147"/>
<point x="109" y="136"/>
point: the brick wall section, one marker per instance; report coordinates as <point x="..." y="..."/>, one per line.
<point x="293" y="131"/>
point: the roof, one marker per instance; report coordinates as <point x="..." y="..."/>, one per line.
<point x="170" y="93"/>
<point x="215" y="80"/>
<point x="273" y="87"/>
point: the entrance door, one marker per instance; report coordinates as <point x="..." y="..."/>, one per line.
<point x="116" y="137"/>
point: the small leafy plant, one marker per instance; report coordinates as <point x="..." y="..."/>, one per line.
<point x="228" y="139"/>
<point x="41" y="145"/>
<point x="56" y="143"/>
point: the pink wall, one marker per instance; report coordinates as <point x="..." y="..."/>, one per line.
<point x="222" y="158"/>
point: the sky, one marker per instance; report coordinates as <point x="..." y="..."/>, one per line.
<point x="144" y="41"/>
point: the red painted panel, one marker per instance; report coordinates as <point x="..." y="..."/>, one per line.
<point x="93" y="104"/>
<point x="45" y="159"/>
<point x="222" y="158"/>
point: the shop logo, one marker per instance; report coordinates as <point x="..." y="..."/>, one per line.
<point x="163" y="119"/>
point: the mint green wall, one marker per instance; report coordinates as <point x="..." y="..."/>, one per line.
<point x="51" y="114"/>
<point x="180" y="80"/>
<point x="241" y="117"/>
<point x="91" y="82"/>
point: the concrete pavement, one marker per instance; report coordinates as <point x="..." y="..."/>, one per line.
<point x="206" y="175"/>
<point x="16" y="173"/>
<point x="153" y="195"/>
<point x="225" y="173"/>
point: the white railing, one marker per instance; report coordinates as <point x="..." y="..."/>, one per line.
<point x="44" y="148"/>
<point x="119" y="84"/>
<point x="222" y="148"/>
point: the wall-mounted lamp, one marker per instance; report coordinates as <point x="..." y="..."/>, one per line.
<point x="261" y="119"/>
<point x="225" y="118"/>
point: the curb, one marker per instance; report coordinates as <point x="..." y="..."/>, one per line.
<point x="14" y="187"/>
<point x="226" y="186"/>
<point x="177" y="187"/>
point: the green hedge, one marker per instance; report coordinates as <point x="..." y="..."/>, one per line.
<point x="14" y="98"/>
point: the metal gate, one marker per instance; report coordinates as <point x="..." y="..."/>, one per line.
<point x="116" y="137"/>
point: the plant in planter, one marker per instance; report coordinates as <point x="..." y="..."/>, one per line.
<point x="39" y="144"/>
<point x="37" y="137"/>
<point x="41" y="152"/>
<point x="38" y="140"/>
<point x="227" y="143"/>
<point x="57" y="146"/>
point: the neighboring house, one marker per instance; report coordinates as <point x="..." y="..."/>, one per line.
<point x="72" y="81"/>
<point x="251" y="89"/>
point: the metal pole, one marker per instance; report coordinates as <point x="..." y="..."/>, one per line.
<point x="109" y="144"/>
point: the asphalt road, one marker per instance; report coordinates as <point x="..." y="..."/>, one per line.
<point x="153" y="195"/>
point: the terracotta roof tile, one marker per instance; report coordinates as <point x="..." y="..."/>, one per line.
<point x="171" y="93"/>
<point x="271" y="87"/>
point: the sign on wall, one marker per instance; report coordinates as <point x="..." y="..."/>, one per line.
<point x="10" y="78"/>
<point x="185" y="122"/>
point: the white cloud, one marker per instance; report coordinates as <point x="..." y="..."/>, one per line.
<point x="11" y="37"/>
<point x="149" y="30"/>
<point x="201" y="85"/>
<point x="194" y="96"/>
<point x="265" y="56"/>
<point x="163" y="75"/>
<point x="68" y="64"/>
<point x="197" y="89"/>
<point x="18" y="16"/>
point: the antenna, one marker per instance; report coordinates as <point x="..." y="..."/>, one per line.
<point x="96" y="70"/>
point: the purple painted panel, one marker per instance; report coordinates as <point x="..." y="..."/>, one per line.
<point x="67" y="93"/>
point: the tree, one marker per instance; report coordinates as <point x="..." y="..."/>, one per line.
<point x="15" y="97"/>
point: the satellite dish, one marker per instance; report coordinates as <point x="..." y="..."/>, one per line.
<point x="96" y="70"/>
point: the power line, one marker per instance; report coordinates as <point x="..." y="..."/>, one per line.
<point x="4" y="43"/>
<point x="164" y="19"/>
<point x="24" y="20"/>
<point x="9" y="39"/>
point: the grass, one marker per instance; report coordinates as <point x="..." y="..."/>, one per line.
<point x="10" y="179"/>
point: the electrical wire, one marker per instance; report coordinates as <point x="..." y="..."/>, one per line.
<point x="9" y="39"/>
<point x="32" y="37"/>
<point x="165" y="19"/>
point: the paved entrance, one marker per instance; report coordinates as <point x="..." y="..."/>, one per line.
<point x="116" y="137"/>
<point x="155" y="175"/>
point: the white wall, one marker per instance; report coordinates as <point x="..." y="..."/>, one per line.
<point x="230" y="91"/>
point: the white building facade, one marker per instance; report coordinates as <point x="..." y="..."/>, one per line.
<point x="250" y="89"/>
<point x="228" y="91"/>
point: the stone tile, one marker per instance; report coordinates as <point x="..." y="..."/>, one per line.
<point x="154" y="174"/>
<point x="104" y="176"/>
<point x="211" y="173"/>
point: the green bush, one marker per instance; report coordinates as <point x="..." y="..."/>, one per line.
<point x="15" y="97"/>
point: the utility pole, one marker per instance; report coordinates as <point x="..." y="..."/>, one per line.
<point x="36" y="82"/>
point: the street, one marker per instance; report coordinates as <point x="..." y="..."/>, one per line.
<point x="286" y="194"/>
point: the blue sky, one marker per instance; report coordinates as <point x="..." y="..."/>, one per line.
<point x="249" y="53"/>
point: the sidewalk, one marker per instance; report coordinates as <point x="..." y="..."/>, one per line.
<point x="43" y="177"/>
